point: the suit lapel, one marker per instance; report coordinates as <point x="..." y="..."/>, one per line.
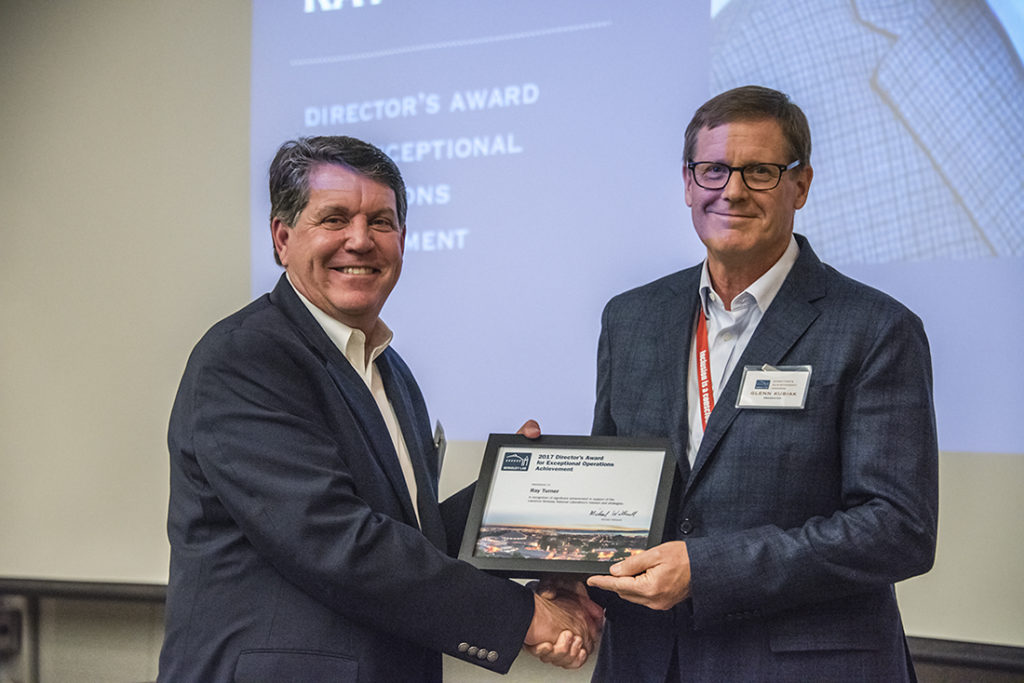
<point x="674" y="353"/>
<point x="424" y="466"/>
<point x="364" y="407"/>
<point x="354" y="391"/>
<point x="785" y="321"/>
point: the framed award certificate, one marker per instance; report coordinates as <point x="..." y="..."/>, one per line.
<point x="570" y="504"/>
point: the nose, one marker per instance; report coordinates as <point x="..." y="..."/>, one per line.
<point x="358" y="235"/>
<point x="735" y="189"/>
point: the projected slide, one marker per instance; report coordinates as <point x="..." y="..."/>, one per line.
<point x="540" y="142"/>
<point x="541" y="145"/>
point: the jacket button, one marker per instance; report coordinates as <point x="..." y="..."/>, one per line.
<point x="685" y="527"/>
<point x="463" y="647"/>
<point x="492" y="656"/>
<point x="472" y="651"/>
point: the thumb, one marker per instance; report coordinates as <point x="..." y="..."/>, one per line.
<point x="634" y="564"/>
<point x="530" y="429"/>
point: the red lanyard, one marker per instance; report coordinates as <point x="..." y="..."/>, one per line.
<point x="707" y="396"/>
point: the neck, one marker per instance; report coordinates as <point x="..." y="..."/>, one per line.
<point x="729" y="279"/>
<point x="728" y="289"/>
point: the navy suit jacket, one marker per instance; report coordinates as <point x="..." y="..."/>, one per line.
<point x="295" y="552"/>
<point x="797" y="522"/>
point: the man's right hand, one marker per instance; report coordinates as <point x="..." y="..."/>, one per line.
<point x="561" y="631"/>
<point x="658" y="578"/>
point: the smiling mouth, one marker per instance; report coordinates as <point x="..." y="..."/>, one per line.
<point x="356" y="270"/>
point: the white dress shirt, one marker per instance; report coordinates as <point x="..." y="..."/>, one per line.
<point x="352" y="343"/>
<point x="729" y="331"/>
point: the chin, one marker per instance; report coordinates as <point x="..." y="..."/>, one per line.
<point x="731" y="240"/>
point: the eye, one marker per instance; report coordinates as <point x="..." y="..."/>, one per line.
<point x="334" y="222"/>
<point x="713" y="171"/>
<point x="382" y="224"/>
<point x="761" y="172"/>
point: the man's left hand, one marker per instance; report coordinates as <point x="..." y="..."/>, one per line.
<point x="530" y="429"/>
<point x="658" y="578"/>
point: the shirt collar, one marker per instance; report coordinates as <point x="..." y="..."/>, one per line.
<point x="763" y="289"/>
<point x="350" y="341"/>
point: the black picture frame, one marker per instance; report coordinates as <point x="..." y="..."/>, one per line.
<point x="514" y="549"/>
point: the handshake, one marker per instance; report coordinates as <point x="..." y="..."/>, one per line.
<point x="566" y="623"/>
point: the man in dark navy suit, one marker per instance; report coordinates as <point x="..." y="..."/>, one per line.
<point x="800" y="404"/>
<point x="307" y="541"/>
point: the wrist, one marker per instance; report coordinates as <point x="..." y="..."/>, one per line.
<point x="533" y="632"/>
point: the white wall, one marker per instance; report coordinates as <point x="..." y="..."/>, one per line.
<point x="124" y="171"/>
<point x="123" y="182"/>
<point x="974" y="592"/>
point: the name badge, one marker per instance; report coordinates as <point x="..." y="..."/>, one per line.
<point x="764" y="386"/>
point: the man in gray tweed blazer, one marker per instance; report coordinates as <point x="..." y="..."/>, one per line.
<point x="799" y="403"/>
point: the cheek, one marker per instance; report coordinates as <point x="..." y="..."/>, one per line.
<point x="394" y="250"/>
<point x="778" y="211"/>
<point x="321" y="247"/>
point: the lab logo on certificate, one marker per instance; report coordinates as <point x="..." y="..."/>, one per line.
<point x="516" y="462"/>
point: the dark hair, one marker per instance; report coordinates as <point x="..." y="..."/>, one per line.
<point x="295" y="160"/>
<point x="752" y="103"/>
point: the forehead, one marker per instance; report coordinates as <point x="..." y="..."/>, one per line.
<point x="742" y="141"/>
<point x="333" y="183"/>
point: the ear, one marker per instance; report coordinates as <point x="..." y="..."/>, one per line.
<point x="688" y="185"/>
<point x="803" y="184"/>
<point x="280" y="232"/>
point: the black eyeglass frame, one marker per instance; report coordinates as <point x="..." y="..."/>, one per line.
<point x="782" y="169"/>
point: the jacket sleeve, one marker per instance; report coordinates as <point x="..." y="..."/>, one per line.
<point x="454" y="512"/>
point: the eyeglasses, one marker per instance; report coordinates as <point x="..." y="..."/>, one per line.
<point x="712" y="175"/>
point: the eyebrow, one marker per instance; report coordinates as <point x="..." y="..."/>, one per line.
<point x="749" y="163"/>
<point x="329" y="210"/>
<point x="387" y="212"/>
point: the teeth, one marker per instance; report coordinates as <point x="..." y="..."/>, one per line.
<point x="356" y="270"/>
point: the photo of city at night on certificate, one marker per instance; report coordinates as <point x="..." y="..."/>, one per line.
<point x="569" y="504"/>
